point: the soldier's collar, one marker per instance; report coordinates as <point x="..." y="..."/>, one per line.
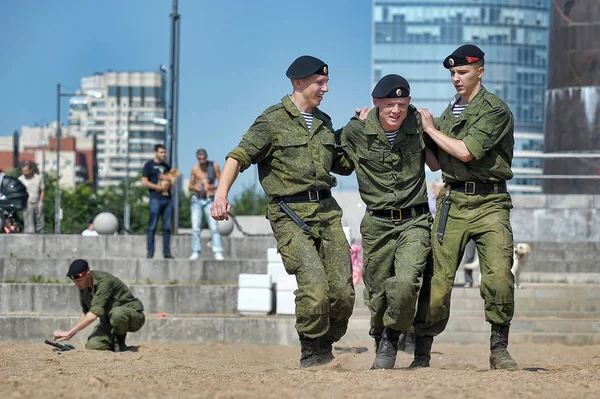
<point x="290" y="107"/>
<point x="473" y="106"/>
<point x="372" y="125"/>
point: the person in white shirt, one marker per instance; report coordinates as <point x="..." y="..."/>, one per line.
<point x="90" y="232"/>
<point x="33" y="216"/>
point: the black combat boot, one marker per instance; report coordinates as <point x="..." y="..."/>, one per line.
<point x="422" y="352"/>
<point x="326" y="350"/>
<point x="120" y="340"/>
<point x="500" y="358"/>
<point x="409" y="341"/>
<point x="310" y="352"/>
<point x="387" y="350"/>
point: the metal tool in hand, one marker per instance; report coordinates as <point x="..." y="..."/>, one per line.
<point x="59" y="347"/>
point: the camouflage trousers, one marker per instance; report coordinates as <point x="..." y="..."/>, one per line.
<point x="121" y="320"/>
<point x="485" y="219"/>
<point x="395" y="255"/>
<point x="321" y="264"/>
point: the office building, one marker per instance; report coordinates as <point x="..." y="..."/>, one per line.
<point x="125" y="111"/>
<point x="412" y="38"/>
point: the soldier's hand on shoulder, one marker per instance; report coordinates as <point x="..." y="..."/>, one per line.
<point x="426" y="119"/>
<point x="362" y="113"/>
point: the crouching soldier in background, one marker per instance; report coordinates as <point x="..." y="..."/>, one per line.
<point x="105" y="297"/>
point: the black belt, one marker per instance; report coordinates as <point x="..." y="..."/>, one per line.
<point x="212" y="197"/>
<point x="402" y="214"/>
<point x="307" y="196"/>
<point x="470" y="187"/>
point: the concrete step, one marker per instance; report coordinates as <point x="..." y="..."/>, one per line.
<point x="160" y="271"/>
<point x="527" y="276"/>
<point x="536" y="300"/>
<point x="560" y="278"/>
<point x="169" y="299"/>
<point x="563" y="251"/>
<point x="124" y="246"/>
<point x="562" y="266"/>
<point x="540" y="301"/>
<point x="572" y="257"/>
<point x="203" y="329"/>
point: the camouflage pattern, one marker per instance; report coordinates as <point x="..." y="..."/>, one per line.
<point x="121" y="320"/>
<point x="291" y="159"/>
<point x="116" y="307"/>
<point x="395" y="253"/>
<point x="486" y="126"/>
<point x="321" y="264"/>
<point x="389" y="176"/>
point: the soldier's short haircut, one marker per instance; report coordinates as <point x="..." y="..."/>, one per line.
<point x="202" y="151"/>
<point x="158" y="147"/>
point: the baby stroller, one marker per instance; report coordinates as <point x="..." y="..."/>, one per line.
<point x="13" y="198"/>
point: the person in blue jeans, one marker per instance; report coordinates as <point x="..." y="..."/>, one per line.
<point x="154" y="178"/>
<point x="203" y="179"/>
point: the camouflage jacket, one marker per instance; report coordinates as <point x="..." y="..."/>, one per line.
<point x="291" y="159"/>
<point x="106" y="293"/>
<point x="486" y="127"/>
<point x="390" y="176"/>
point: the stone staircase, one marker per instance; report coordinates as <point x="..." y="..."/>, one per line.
<point x="195" y="301"/>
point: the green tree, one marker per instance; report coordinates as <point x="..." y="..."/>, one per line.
<point x="82" y="203"/>
<point x="250" y="202"/>
<point x="79" y="205"/>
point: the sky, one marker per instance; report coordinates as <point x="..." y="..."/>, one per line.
<point x="233" y="58"/>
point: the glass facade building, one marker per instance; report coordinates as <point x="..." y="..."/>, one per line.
<point x="412" y="38"/>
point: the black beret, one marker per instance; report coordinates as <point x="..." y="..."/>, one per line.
<point x="304" y="66"/>
<point x="391" y="86"/>
<point x="78" y="266"/>
<point x="464" y="55"/>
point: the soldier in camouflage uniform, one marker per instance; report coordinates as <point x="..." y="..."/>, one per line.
<point x="105" y="297"/>
<point x="475" y="142"/>
<point x="294" y="145"/>
<point x="388" y="153"/>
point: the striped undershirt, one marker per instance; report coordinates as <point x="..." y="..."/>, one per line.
<point x="457" y="109"/>
<point x="308" y="117"/>
<point x="391" y="136"/>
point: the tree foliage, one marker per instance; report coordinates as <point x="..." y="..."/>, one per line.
<point x="250" y="202"/>
<point x="81" y="204"/>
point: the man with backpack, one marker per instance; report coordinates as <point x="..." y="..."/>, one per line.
<point x="203" y="179"/>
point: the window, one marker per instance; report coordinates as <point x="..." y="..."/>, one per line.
<point x="150" y="92"/>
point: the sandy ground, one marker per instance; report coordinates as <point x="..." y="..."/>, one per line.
<point x="251" y="371"/>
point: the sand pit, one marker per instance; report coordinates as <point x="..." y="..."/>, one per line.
<point x="251" y="371"/>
